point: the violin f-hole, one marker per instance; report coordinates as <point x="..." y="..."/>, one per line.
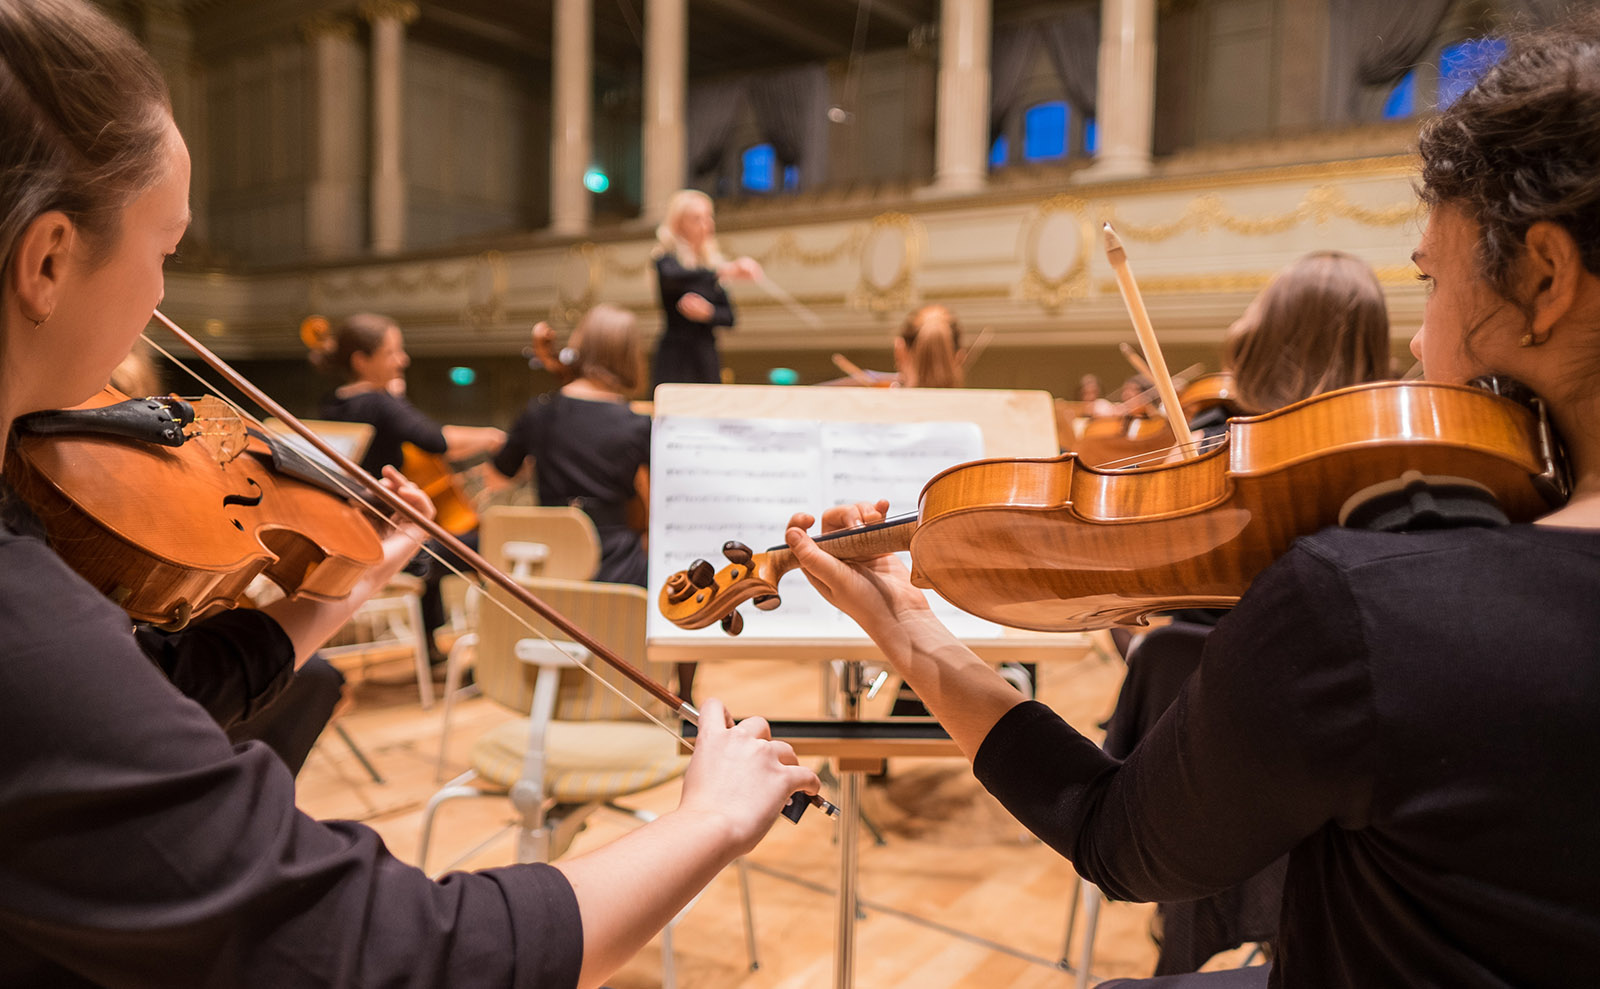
<point x="245" y="500"/>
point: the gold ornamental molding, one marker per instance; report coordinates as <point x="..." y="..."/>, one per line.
<point x="890" y="255"/>
<point x="1061" y="223"/>
<point x="570" y="305"/>
<point x="1241" y="281"/>
<point x="1321" y="204"/>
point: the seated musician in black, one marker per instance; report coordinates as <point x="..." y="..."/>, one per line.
<point x="589" y="449"/>
<point x="1408" y="715"/>
<point x="366" y="353"/>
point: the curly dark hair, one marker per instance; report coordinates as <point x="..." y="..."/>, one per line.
<point x="1523" y="146"/>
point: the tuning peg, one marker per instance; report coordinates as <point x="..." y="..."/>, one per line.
<point x="767" y="602"/>
<point x="701" y="575"/>
<point x="737" y="552"/>
<point x="733" y="623"/>
<point x="679" y="589"/>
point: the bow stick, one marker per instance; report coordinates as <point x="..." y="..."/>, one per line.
<point x="1172" y="409"/>
<point x="775" y="290"/>
<point x="483" y="567"/>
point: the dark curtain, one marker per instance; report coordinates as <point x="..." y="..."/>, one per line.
<point x="1375" y="43"/>
<point x="1011" y="56"/>
<point x="790" y="108"/>
<point x="713" y="110"/>
<point x="1073" y="43"/>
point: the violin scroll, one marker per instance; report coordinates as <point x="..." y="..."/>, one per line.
<point x="699" y="596"/>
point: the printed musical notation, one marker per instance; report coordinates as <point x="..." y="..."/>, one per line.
<point x="715" y="480"/>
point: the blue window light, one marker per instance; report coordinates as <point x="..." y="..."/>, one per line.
<point x="1044" y="131"/>
<point x="999" y="152"/>
<point x="757" y="166"/>
<point x="791" y="178"/>
<point x="1461" y="65"/>
<point x="1402" y="101"/>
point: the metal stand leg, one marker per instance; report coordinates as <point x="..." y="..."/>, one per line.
<point x="355" y="751"/>
<point x="850" y="687"/>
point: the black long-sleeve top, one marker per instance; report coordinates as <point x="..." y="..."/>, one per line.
<point x="1413" y="717"/>
<point x="687" y="350"/>
<point x="586" y="453"/>
<point x="139" y="848"/>
<point x="394" y="421"/>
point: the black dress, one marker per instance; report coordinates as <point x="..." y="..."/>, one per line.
<point x="1411" y="716"/>
<point x="687" y="350"/>
<point x="586" y="453"/>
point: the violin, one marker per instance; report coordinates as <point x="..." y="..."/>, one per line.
<point x="172" y="512"/>
<point x="1059" y="545"/>
<point x="504" y="582"/>
<point x="1105" y="440"/>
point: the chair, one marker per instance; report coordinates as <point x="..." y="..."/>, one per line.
<point x="525" y="559"/>
<point x="387" y="626"/>
<point x="581" y="747"/>
<point x="573" y="546"/>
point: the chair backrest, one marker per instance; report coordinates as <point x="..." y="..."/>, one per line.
<point x="614" y="614"/>
<point x="568" y="532"/>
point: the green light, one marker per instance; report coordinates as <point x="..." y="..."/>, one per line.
<point x="463" y="376"/>
<point x="596" y="181"/>
<point x="783" y="376"/>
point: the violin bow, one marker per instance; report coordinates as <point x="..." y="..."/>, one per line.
<point x="483" y="567"/>
<point x="853" y="370"/>
<point x="794" y="305"/>
<point x="1171" y="407"/>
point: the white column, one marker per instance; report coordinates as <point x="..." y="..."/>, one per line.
<point x="1125" y="87"/>
<point x="389" y="19"/>
<point x="333" y="192"/>
<point x="666" y="70"/>
<point x="961" y="145"/>
<point x="571" y="126"/>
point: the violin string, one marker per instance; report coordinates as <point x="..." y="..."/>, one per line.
<point x="344" y="484"/>
<point x="1203" y="445"/>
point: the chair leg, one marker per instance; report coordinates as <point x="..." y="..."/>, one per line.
<point x="669" y="971"/>
<point x="455" y="788"/>
<point x="1092" y="898"/>
<point x="424" y="669"/>
<point x="1074" y="899"/>
<point x="749" y="914"/>
<point x="454" y="670"/>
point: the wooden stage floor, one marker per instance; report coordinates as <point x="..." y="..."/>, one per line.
<point x="959" y="895"/>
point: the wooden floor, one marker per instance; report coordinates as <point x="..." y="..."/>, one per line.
<point x="959" y="895"/>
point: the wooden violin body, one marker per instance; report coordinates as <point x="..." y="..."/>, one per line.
<point x="1058" y="545"/>
<point x="170" y="533"/>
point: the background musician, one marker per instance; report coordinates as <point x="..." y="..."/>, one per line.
<point x="1408" y="714"/>
<point x="588" y="448"/>
<point x="367" y="353"/>
<point x="141" y="847"/>
<point x="927" y="350"/>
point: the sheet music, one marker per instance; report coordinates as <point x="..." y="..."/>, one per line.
<point x="714" y="480"/>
